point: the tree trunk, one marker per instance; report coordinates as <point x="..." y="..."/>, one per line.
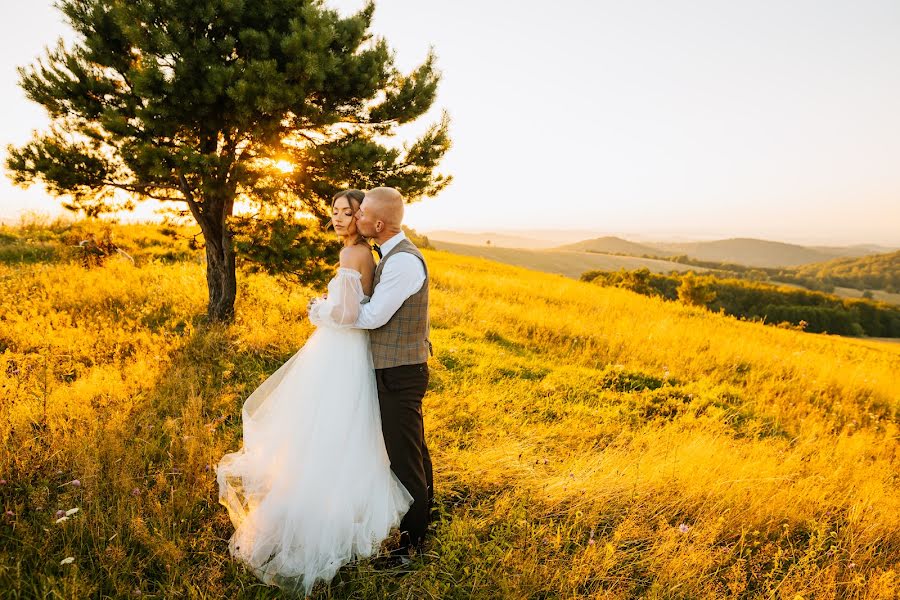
<point x="221" y="278"/>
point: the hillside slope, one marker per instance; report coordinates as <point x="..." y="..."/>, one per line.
<point x="856" y="250"/>
<point x="563" y="262"/>
<point x="586" y="441"/>
<point x="615" y="245"/>
<point x="747" y="251"/>
<point x="879" y="271"/>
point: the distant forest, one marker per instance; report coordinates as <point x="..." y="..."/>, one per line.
<point x="808" y="310"/>
<point x="875" y="272"/>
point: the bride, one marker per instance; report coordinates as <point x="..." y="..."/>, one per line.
<point x="311" y="489"/>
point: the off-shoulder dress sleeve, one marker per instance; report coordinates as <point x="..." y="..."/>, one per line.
<point x="340" y="308"/>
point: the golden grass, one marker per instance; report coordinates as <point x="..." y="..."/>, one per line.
<point x="587" y="441"/>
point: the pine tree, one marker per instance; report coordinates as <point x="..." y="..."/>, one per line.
<point x="274" y="103"/>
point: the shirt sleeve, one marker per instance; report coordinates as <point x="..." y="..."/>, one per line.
<point x="402" y="276"/>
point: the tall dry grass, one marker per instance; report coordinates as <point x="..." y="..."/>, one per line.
<point x="587" y="441"/>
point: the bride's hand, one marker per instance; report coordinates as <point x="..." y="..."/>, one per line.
<point x="313" y="301"/>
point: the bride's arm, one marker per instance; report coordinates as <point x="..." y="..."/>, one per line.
<point x="341" y="307"/>
<point x="346" y="308"/>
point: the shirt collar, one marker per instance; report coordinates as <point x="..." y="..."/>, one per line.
<point x="388" y="245"/>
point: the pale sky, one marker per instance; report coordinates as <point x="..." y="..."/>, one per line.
<point x="771" y="118"/>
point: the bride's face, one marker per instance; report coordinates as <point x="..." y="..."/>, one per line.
<point x="342" y="217"/>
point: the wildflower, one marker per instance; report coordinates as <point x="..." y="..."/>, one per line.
<point x="10" y="513"/>
<point x="75" y="483"/>
<point x="60" y="513"/>
<point x="2" y="482"/>
<point x="71" y="512"/>
<point x="62" y="518"/>
<point x="67" y="560"/>
<point x="851" y="565"/>
<point x="136" y="492"/>
<point x="683" y="528"/>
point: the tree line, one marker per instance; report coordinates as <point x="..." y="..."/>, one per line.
<point x="812" y="311"/>
<point x="875" y="272"/>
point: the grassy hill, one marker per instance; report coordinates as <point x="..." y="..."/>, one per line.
<point x="856" y="250"/>
<point x="784" y="306"/>
<point x="615" y="245"/>
<point x="587" y="441"/>
<point x="878" y="295"/>
<point x="575" y="264"/>
<point x="748" y="251"/>
<point x="880" y="271"/>
<point x="562" y="262"/>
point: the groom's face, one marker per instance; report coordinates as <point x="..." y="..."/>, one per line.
<point x="366" y="222"/>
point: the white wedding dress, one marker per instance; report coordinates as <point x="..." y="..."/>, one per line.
<point x="312" y="488"/>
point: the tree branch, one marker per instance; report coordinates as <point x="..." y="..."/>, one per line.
<point x="142" y="189"/>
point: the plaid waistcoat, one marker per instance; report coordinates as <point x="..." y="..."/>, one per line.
<point x="403" y="340"/>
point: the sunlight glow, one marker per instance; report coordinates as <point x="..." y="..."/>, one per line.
<point x="284" y="166"/>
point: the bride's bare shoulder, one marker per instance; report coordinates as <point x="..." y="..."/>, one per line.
<point x="357" y="257"/>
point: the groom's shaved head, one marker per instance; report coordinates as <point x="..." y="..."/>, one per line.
<point x="380" y="216"/>
<point x="387" y="204"/>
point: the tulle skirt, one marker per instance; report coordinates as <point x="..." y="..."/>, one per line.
<point x="312" y="488"/>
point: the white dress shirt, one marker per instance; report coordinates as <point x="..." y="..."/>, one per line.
<point x="401" y="277"/>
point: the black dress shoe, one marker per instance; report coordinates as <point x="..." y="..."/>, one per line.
<point x="391" y="562"/>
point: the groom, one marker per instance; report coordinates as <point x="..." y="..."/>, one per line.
<point x="397" y="316"/>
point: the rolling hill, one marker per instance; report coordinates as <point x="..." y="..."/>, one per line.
<point x="751" y="252"/>
<point x="563" y="262"/>
<point x="855" y="250"/>
<point x="748" y="251"/>
<point x="878" y="271"/>
<point x="615" y="245"/>
<point x="574" y="264"/>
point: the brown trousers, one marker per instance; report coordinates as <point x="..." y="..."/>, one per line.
<point x="400" y="393"/>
